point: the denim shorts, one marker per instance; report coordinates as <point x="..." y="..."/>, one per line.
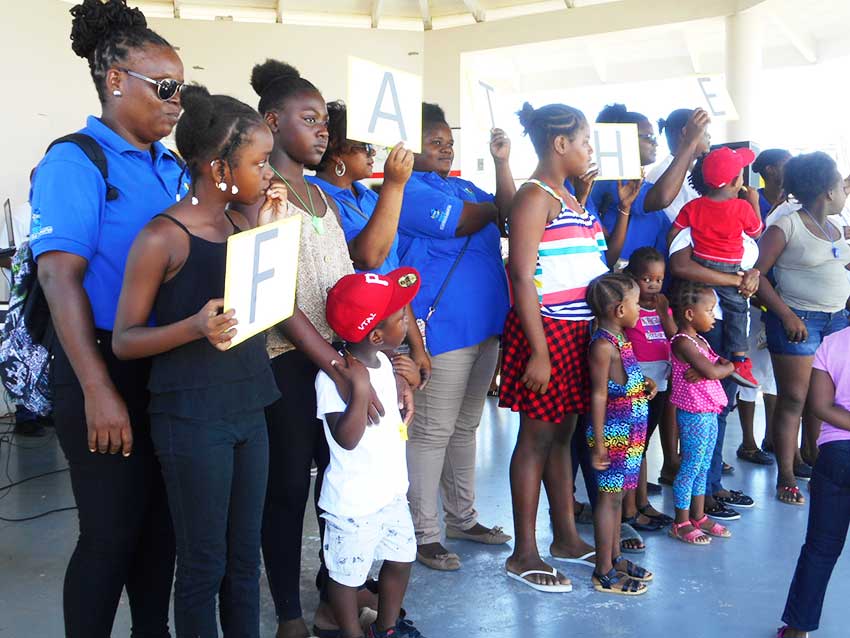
<point x="818" y="325"/>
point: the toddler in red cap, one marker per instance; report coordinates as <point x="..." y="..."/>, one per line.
<point x="718" y="219"/>
<point x="364" y="492"/>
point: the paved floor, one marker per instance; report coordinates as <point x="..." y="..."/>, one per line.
<point x="732" y="588"/>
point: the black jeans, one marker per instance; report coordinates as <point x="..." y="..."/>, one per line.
<point x="126" y="538"/>
<point x="215" y="473"/>
<point x="829" y="518"/>
<point x="296" y="439"/>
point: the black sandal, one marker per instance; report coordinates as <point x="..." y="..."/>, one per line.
<point x="653" y="526"/>
<point x="610" y="583"/>
<point x="663" y="518"/>
<point x="635" y="571"/>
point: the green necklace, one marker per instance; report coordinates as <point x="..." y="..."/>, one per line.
<point x="317" y="222"/>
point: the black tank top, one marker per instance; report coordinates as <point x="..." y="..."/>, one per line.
<point x="196" y="380"/>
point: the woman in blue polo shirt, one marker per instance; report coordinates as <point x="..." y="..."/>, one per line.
<point x="370" y="221"/>
<point x="449" y="230"/>
<point x="80" y="240"/>
<point x="769" y="165"/>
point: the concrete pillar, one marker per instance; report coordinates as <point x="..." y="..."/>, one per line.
<point x="744" y="46"/>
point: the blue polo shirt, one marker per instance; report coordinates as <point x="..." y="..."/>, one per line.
<point x="475" y="302"/>
<point x="764" y="205"/>
<point x="355" y="212"/>
<point x="70" y="212"/>
<point x="646" y="228"/>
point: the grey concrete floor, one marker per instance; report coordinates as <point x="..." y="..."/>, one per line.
<point x="732" y="588"/>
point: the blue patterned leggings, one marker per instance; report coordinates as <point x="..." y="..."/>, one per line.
<point x="697" y="434"/>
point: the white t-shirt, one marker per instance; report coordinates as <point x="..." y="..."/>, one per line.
<point x="686" y="193"/>
<point x="366" y="479"/>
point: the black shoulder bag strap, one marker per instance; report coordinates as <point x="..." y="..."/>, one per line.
<point x="95" y="155"/>
<point x="439" y="296"/>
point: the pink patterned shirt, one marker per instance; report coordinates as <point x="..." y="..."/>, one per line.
<point x="706" y="395"/>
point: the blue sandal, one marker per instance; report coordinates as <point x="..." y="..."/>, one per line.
<point x="613" y="583"/>
<point x="635" y="571"/>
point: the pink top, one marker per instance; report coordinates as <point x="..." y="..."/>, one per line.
<point x="706" y="395"/>
<point x="831" y="357"/>
<point x="648" y="338"/>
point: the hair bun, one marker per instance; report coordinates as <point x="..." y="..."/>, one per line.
<point x="662" y="124"/>
<point x="613" y="113"/>
<point x="526" y="115"/>
<point x="263" y="75"/>
<point x="198" y="105"/>
<point x="93" y="20"/>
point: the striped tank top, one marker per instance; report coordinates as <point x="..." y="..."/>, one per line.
<point x="570" y="255"/>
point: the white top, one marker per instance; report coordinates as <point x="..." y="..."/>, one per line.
<point x="686" y="193"/>
<point x="366" y="479"/>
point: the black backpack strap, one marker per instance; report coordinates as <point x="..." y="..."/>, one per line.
<point x="88" y="145"/>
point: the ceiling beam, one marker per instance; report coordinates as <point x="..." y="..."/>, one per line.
<point x="176" y="5"/>
<point x="476" y="10"/>
<point x="377" y="7"/>
<point x="278" y="10"/>
<point x="693" y="54"/>
<point x="803" y="42"/>
<point x="425" y="10"/>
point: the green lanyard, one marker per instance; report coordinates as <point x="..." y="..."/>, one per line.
<point x="317" y="222"/>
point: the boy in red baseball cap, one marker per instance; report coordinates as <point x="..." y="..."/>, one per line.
<point x="364" y="493"/>
<point x="718" y="219"/>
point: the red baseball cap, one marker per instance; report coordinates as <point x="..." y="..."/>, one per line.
<point x="723" y="165"/>
<point x="358" y="303"/>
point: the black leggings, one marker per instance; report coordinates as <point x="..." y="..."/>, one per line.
<point x="126" y="538"/>
<point x="296" y="439"/>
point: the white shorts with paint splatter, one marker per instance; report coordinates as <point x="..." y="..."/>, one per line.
<point x="351" y="545"/>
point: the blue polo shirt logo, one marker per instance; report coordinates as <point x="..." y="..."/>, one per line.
<point x="441" y="216"/>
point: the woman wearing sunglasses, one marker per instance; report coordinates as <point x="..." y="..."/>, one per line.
<point x="370" y="221"/>
<point x="81" y="240"/>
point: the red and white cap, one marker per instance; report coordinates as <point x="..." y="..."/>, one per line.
<point x="358" y="303"/>
<point x="723" y="165"/>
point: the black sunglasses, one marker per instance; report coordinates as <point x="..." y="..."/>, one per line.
<point x="369" y="149"/>
<point x="165" y="89"/>
<point x="649" y="138"/>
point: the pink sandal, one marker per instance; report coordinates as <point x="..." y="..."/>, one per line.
<point x="694" y="537"/>
<point x="716" y="529"/>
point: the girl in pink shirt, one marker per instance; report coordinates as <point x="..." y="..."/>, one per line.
<point x="699" y="398"/>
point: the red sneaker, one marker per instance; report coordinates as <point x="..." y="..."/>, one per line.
<point x="743" y="374"/>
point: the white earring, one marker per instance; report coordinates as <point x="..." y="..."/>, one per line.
<point x="194" y="201"/>
<point x="234" y="189"/>
<point x="340" y="168"/>
<point x="116" y="93"/>
<point x="222" y="186"/>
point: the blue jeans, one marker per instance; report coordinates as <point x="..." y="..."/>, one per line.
<point x="736" y="308"/>
<point x="829" y="518"/>
<point x="215" y="474"/>
<point x="818" y="326"/>
<point x="715" y="338"/>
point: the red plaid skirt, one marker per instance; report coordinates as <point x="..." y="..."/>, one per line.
<point x="569" y="382"/>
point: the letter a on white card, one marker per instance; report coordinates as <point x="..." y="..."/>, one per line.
<point x="383" y="105"/>
<point x="260" y="277"/>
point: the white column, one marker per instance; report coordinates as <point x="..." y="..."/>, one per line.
<point x="744" y="46"/>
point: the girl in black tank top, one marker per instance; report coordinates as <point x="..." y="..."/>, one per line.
<point x="207" y="400"/>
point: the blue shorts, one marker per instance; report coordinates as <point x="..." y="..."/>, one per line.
<point x="818" y="325"/>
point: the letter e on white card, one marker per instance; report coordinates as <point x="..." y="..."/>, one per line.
<point x="716" y="98"/>
<point x="261" y="276"/>
<point x="616" y="150"/>
<point x="383" y="105"/>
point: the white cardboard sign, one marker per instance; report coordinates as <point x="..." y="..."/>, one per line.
<point x="716" y="97"/>
<point x="383" y="105"/>
<point x="260" y="278"/>
<point x="616" y="151"/>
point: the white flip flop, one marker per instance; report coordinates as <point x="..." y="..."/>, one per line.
<point x="546" y="588"/>
<point x="584" y="559"/>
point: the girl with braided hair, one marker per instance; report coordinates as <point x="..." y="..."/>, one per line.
<point x="82" y="230"/>
<point x="207" y="399"/>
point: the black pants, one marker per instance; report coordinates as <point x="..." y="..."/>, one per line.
<point x="126" y="538"/>
<point x="829" y="519"/>
<point x="296" y="439"/>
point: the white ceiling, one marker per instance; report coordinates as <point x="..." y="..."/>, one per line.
<point x="393" y="14"/>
